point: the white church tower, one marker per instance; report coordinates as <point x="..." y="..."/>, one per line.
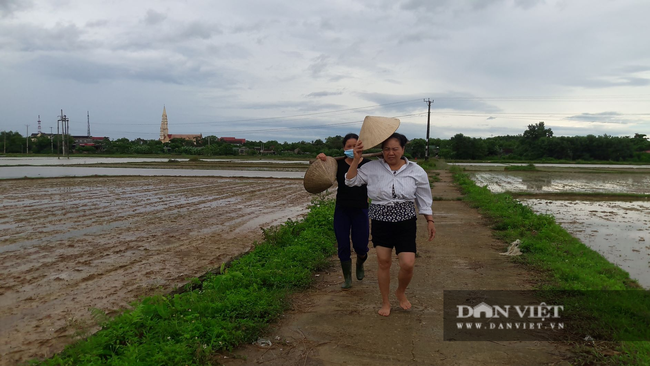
<point x="164" y="128"/>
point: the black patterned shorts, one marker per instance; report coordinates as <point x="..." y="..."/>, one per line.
<point x="399" y="235"/>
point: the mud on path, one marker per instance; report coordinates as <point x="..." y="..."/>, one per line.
<point x="67" y="245"/>
<point x="328" y="326"/>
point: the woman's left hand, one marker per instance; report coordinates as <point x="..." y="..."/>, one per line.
<point x="432" y="230"/>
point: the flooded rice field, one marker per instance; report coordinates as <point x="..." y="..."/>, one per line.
<point x="80" y="160"/>
<point x="618" y="230"/>
<point x="15" y="172"/>
<point x="563" y="182"/>
<point x="71" y="244"/>
<point x="617" y="227"/>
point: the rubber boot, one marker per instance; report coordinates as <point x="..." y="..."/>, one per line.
<point x="360" y="273"/>
<point x="347" y="274"/>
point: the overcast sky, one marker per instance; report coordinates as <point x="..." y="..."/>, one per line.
<point x="302" y="70"/>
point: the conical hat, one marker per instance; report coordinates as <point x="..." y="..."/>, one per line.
<point x="377" y="129"/>
<point x="320" y="175"/>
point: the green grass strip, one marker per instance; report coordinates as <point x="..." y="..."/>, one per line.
<point x="565" y="263"/>
<point x="221" y="312"/>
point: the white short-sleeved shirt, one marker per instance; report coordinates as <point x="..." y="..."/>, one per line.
<point x="410" y="182"/>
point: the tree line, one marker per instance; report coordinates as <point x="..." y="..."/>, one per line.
<point x="535" y="143"/>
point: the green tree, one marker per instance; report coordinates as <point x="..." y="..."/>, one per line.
<point x="537" y="131"/>
<point x="417" y="148"/>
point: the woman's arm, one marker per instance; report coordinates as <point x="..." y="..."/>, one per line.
<point x="352" y="177"/>
<point x="431" y="227"/>
<point x="424" y="200"/>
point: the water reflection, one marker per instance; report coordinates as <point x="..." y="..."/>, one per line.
<point x="620" y="231"/>
<point x="51" y="172"/>
<point x="562" y="182"/>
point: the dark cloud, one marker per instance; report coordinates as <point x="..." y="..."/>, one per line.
<point x="89" y="71"/>
<point x="528" y="4"/>
<point x="153" y="17"/>
<point x="604" y="117"/>
<point x="323" y="94"/>
<point x="60" y="37"/>
<point x="454" y="101"/>
<point x="198" y="30"/>
<point x="420" y="37"/>
<point x="489" y="118"/>
<point x="96" y="23"/>
<point x="9" y="7"/>
<point x="449" y="5"/>
<point x="319" y="65"/>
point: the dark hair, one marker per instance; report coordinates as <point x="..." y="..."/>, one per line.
<point x="350" y="136"/>
<point x="399" y="137"/>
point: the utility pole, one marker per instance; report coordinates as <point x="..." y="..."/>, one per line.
<point x="51" y="142"/>
<point x="5" y="144"/>
<point x="67" y="132"/>
<point x="58" y="145"/>
<point x="426" y="154"/>
<point x="27" y="140"/>
<point x="88" y="113"/>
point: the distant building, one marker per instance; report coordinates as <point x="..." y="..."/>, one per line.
<point x="233" y="140"/>
<point x="165" y="136"/>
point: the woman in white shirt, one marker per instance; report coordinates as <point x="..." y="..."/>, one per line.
<point x="395" y="186"/>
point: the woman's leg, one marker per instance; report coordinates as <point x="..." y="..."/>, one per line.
<point x="342" y="232"/>
<point x="406" y="264"/>
<point x="360" y="233"/>
<point x="384" y="259"/>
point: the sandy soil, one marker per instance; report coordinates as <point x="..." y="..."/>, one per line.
<point x="68" y="245"/>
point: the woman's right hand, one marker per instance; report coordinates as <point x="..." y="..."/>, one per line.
<point x="322" y="157"/>
<point x="358" y="150"/>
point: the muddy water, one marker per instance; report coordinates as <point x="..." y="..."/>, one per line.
<point x="586" y="166"/>
<point x="14" y="172"/>
<point x="4" y="161"/>
<point x="563" y="182"/>
<point x="68" y="245"/>
<point x="618" y="230"/>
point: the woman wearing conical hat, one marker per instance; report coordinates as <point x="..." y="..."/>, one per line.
<point x="350" y="215"/>
<point x="395" y="186"/>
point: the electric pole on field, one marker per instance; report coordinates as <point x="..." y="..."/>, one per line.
<point x="426" y="153"/>
<point x="51" y="142"/>
<point x="27" y="141"/>
<point x="58" y="145"/>
<point x="88" y="113"/>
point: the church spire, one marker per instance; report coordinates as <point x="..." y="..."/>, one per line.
<point x="164" y="128"/>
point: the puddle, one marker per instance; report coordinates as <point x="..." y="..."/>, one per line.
<point x="618" y="230"/>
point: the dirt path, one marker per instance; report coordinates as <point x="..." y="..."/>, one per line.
<point x="67" y="245"/>
<point x="332" y="327"/>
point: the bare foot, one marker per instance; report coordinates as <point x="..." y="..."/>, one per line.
<point x="385" y="310"/>
<point x="404" y="303"/>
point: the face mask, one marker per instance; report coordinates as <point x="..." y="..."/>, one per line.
<point x="349" y="153"/>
